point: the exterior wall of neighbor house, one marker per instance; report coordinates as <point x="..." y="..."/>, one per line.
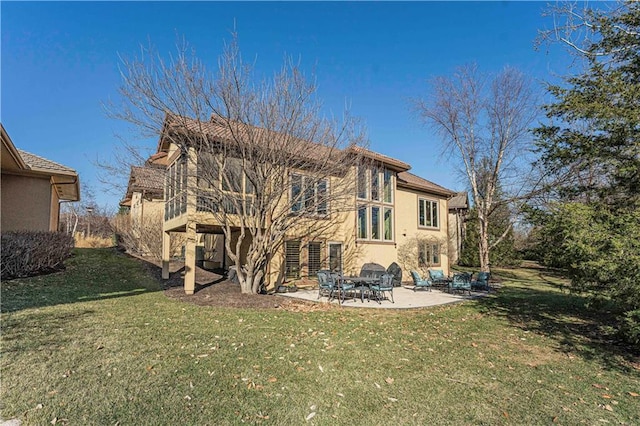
<point x="408" y="227"/>
<point x="27" y="204"/>
<point x="54" y="209"/>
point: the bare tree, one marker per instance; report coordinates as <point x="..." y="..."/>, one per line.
<point x="484" y="123"/>
<point x="260" y="159"/>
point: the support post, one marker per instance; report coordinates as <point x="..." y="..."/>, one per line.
<point x="166" y="254"/>
<point x="190" y="258"/>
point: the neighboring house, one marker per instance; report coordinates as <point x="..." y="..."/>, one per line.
<point x="458" y="211"/>
<point x="32" y="189"/>
<point x="145" y="193"/>
<point x="390" y="206"/>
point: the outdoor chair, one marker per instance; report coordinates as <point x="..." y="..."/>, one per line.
<point x="326" y="284"/>
<point x="482" y="281"/>
<point x="419" y="283"/>
<point x="395" y="270"/>
<point x="343" y="287"/>
<point x="461" y="282"/>
<point x="385" y="285"/>
<point x="437" y="277"/>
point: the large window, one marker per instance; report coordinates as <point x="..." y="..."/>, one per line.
<point x="428" y="213"/>
<point x="176" y="188"/>
<point x="375" y="222"/>
<point x="362" y="222"/>
<point x="292" y="259"/>
<point x="309" y="195"/>
<point x="428" y="255"/>
<point x="315" y="258"/>
<point x="375" y="210"/>
<point x="224" y="189"/>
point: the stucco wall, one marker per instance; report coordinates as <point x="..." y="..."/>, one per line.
<point x="407" y="227"/>
<point x="26" y="204"/>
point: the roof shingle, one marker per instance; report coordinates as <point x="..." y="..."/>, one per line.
<point x="409" y="180"/>
<point x="35" y="162"/>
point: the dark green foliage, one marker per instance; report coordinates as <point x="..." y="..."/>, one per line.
<point x="593" y="146"/>
<point x="502" y="254"/>
<point x="29" y="253"/>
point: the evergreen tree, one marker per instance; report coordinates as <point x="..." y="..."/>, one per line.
<point x="593" y="146"/>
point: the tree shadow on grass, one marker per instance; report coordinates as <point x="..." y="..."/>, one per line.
<point x="90" y="274"/>
<point x="533" y="304"/>
<point x="42" y="329"/>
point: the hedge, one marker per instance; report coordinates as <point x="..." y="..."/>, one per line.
<point x="27" y="253"/>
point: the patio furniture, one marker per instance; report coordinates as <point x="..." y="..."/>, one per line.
<point x="395" y="270"/>
<point x="343" y="286"/>
<point x="461" y="282"/>
<point x="385" y="285"/>
<point x="437" y="277"/>
<point x="419" y="283"/>
<point x="372" y="270"/>
<point x="326" y="284"/>
<point x="482" y="281"/>
<point x="362" y="284"/>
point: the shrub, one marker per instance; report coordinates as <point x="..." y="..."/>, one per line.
<point x="27" y="253"/>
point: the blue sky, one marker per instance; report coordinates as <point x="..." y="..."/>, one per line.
<point x="60" y="62"/>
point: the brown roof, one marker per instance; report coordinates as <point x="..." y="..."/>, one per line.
<point x="35" y="162"/>
<point x="223" y="130"/>
<point x="389" y="161"/>
<point x="226" y="130"/>
<point x="459" y="201"/>
<point x="145" y="179"/>
<point x="411" y="181"/>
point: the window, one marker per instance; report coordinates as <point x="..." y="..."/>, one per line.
<point x="428" y="255"/>
<point x="375" y="218"/>
<point x="362" y="182"/>
<point x="386" y="186"/>
<point x="232" y="179"/>
<point x="375" y="184"/>
<point x="362" y="222"/>
<point x="296" y="191"/>
<point x="309" y="195"/>
<point x="315" y="261"/>
<point x="428" y="213"/>
<point x="375" y="223"/>
<point x="388" y="224"/>
<point x="292" y="259"/>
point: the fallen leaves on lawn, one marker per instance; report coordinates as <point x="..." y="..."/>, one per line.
<point x="389" y="380"/>
<point x="310" y="416"/>
<point x="634" y="394"/>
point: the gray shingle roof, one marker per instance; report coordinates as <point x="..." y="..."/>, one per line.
<point x="409" y="180"/>
<point x="35" y="162"/>
<point x="460" y="201"/>
<point x="147" y="178"/>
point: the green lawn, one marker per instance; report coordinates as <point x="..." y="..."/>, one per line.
<point x="100" y="344"/>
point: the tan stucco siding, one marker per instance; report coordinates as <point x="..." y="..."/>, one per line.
<point x="407" y="225"/>
<point x="27" y="204"/>
<point x="54" y="209"/>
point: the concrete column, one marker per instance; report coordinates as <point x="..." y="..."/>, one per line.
<point x="166" y="254"/>
<point x="190" y="258"/>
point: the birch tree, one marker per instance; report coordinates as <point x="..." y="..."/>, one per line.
<point x="484" y="125"/>
<point x="269" y="166"/>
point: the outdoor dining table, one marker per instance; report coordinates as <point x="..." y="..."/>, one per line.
<point x="361" y="282"/>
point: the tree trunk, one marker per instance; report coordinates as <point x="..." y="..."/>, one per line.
<point x="483" y="244"/>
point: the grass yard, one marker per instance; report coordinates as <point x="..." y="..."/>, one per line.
<point x="101" y="344"/>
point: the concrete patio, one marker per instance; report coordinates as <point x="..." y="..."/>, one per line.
<point x="404" y="297"/>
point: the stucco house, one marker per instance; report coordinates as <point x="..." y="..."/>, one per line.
<point x="458" y="213"/>
<point x="389" y="207"/>
<point x="32" y="189"/>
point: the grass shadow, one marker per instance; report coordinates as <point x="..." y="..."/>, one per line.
<point x="90" y="274"/>
<point x="539" y="304"/>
